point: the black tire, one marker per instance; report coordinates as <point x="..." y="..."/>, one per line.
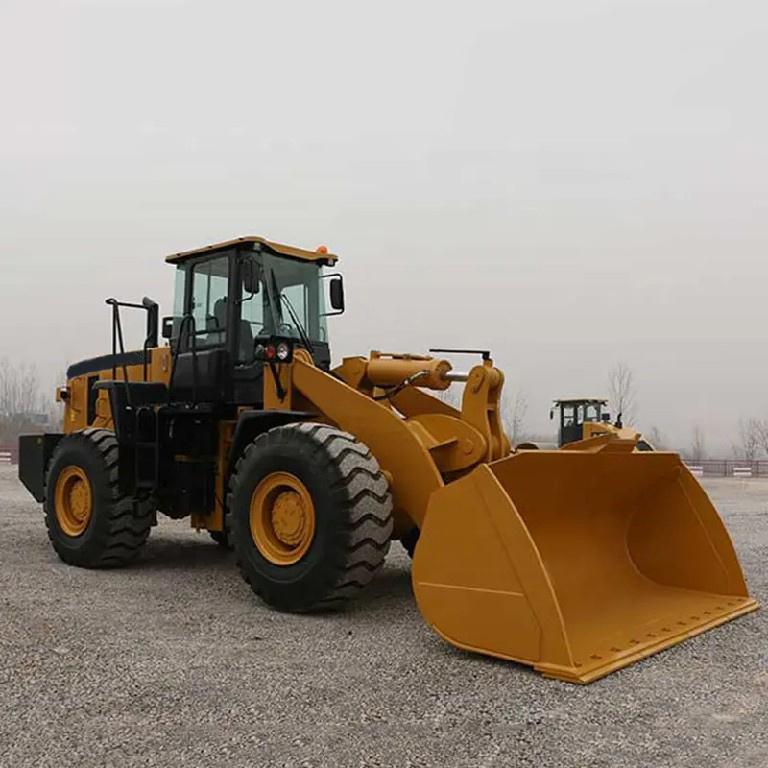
<point x="352" y="510"/>
<point x="410" y="540"/>
<point x="118" y="526"/>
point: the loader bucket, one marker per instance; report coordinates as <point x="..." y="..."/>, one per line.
<point x="578" y="563"/>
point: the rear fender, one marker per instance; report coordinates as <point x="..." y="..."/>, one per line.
<point x="35" y="452"/>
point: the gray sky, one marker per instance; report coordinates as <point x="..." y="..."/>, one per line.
<point x="568" y="182"/>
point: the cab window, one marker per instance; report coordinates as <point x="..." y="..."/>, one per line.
<point x="208" y="301"/>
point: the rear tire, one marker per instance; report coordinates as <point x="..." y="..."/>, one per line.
<point x="107" y="528"/>
<point x="333" y="486"/>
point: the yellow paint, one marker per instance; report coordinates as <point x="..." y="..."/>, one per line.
<point x="282" y="518"/>
<point x="215" y="521"/>
<point x="73" y="501"/>
<point x="576" y="562"/>
<point x="76" y="404"/>
<point x="320" y="254"/>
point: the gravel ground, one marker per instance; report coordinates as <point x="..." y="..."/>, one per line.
<point x="173" y="662"/>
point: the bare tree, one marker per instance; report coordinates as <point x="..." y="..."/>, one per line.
<point x="698" y="450"/>
<point x="19" y="389"/>
<point x="22" y="405"/>
<point x="450" y="396"/>
<point x="752" y="434"/>
<point x="758" y="431"/>
<point x="621" y="392"/>
<point x="514" y="412"/>
<point x="657" y="439"/>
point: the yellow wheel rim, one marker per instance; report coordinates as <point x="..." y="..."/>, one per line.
<point x="282" y="518"/>
<point x="74" y="501"/>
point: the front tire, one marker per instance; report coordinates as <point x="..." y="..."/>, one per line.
<point x="90" y="523"/>
<point x="309" y="516"/>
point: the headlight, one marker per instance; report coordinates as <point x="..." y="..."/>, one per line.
<point x="283" y="351"/>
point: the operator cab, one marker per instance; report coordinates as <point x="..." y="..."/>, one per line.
<point x="574" y="413"/>
<point x="231" y="299"/>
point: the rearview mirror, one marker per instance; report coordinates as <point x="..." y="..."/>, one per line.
<point x="551" y="415"/>
<point x="167" y="330"/>
<point x="336" y="290"/>
<point x="251" y="274"/>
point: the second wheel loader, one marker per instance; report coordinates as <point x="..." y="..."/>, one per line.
<point x="583" y="418"/>
<point x="577" y="562"/>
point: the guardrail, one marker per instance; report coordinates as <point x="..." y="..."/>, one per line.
<point x="728" y="468"/>
<point x="9" y="454"/>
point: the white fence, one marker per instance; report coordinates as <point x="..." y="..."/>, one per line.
<point x="9" y="454"/>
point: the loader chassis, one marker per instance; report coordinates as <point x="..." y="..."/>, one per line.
<point x="577" y="561"/>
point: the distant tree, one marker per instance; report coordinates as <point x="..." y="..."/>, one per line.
<point x="23" y="407"/>
<point x="621" y="392"/>
<point x="752" y="436"/>
<point x="514" y="413"/>
<point x="19" y="389"/>
<point x="657" y="439"/>
<point x="698" y="449"/>
<point x="451" y="396"/>
<point x="759" y="429"/>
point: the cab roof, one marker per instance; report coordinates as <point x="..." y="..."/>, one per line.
<point x="575" y="400"/>
<point x="249" y="242"/>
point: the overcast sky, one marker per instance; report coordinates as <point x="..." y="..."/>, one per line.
<point x="568" y="182"/>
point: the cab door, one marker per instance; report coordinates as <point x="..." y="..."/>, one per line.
<point x="570" y="423"/>
<point x="204" y="335"/>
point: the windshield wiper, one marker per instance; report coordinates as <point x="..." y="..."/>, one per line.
<point x="299" y="327"/>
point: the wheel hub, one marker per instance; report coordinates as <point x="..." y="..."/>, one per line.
<point x="289" y="517"/>
<point x="282" y="518"/>
<point x="73" y="500"/>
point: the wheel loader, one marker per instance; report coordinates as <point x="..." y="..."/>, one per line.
<point x="582" y="418"/>
<point x="577" y="562"/>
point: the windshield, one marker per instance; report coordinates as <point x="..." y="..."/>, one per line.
<point x="289" y="301"/>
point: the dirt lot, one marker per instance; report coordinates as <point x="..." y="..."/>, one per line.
<point x="173" y="662"/>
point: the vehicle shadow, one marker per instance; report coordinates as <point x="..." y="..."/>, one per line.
<point x="392" y="584"/>
<point x="161" y="554"/>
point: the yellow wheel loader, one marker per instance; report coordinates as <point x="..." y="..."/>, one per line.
<point x="583" y="418"/>
<point x="577" y="562"/>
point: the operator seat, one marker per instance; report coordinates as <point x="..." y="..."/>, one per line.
<point x="216" y="325"/>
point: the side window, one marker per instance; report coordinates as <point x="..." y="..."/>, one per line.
<point x="569" y="417"/>
<point x="592" y="413"/>
<point x="178" y="302"/>
<point x="210" y="286"/>
<point x="178" y="291"/>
